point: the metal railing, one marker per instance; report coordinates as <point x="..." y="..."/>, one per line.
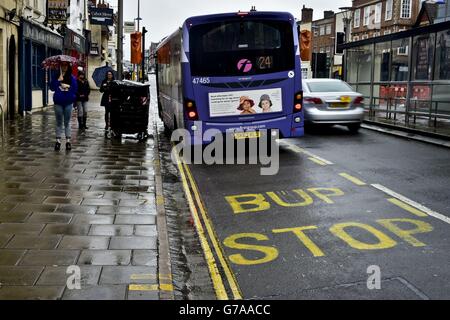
<point x="392" y="109"/>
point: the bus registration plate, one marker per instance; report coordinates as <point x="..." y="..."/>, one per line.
<point x="247" y="135"/>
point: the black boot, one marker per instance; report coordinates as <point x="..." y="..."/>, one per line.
<point x="84" y="123"/>
<point x="80" y="123"/>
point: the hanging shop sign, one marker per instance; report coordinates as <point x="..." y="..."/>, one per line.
<point x="101" y="16"/>
<point x="57" y="11"/>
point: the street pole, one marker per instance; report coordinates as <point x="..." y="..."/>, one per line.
<point x="120" y="41"/>
<point x="138" y="73"/>
<point x="144" y="31"/>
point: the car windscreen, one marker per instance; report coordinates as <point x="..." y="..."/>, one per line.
<point x="329" y="86"/>
<point x="241" y="48"/>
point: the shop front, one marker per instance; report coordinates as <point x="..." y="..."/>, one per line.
<point x="75" y="46"/>
<point x="37" y="43"/>
<point x="405" y="77"/>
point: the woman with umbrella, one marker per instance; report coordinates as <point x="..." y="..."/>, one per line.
<point x="65" y="88"/>
<point x="106" y="102"/>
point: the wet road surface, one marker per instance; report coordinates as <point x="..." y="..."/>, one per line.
<point x="341" y="209"/>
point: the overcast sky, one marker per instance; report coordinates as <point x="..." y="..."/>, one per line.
<point x="163" y="17"/>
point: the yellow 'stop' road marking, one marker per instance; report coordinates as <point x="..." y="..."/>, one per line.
<point x="211" y="262"/>
<point x="353" y="179"/>
<point x="412" y="203"/>
<point x="229" y="274"/>
<point x="407" y="207"/>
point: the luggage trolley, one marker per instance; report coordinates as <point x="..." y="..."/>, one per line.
<point x="130" y="109"/>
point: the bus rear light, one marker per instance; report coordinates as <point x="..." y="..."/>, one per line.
<point x="192" y="115"/>
<point x="314" y="100"/>
<point x="242" y="13"/>
<point x="191" y="109"/>
<point x="359" y="100"/>
<point x="298" y="101"/>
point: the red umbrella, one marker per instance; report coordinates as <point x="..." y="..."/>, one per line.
<point x="56" y="61"/>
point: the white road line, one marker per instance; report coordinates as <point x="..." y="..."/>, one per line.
<point x="412" y="203"/>
<point x="297" y="149"/>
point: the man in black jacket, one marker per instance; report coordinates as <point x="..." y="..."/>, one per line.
<point x="83" y="93"/>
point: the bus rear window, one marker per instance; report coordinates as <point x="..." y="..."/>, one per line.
<point x="241" y="48"/>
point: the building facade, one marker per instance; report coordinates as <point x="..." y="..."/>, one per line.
<point x="373" y="18"/>
<point x="9" y="41"/>
<point x="37" y="42"/>
<point x="323" y="41"/>
<point x="103" y="42"/>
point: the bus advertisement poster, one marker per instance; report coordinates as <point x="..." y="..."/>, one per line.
<point x="237" y="103"/>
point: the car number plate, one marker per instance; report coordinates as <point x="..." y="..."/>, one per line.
<point x="339" y="105"/>
<point x="247" y="135"/>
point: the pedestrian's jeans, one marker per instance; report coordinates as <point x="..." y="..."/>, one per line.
<point x="82" y="109"/>
<point x="63" y="115"/>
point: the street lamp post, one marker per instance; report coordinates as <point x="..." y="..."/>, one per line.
<point x="347" y="12"/>
<point x="315" y="53"/>
<point x="120" y="40"/>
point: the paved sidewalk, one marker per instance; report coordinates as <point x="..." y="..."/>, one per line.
<point x="93" y="207"/>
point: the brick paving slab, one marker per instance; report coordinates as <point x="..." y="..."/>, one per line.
<point x="14" y="217"/>
<point x="111" y="230"/>
<point x="50" y="218"/>
<point x="31" y="293"/>
<point x="105" y="257"/>
<point x="50" y="258"/>
<point x="34" y="242"/>
<point x="117" y="292"/>
<point x="10" y="257"/>
<point x="57" y="276"/>
<point x="146" y="231"/>
<point x="84" y="242"/>
<point x="145" y="258"/>
<point x="128" y="275"/>
<point x="65" y="229"/>
<point x="121" y="243"/>
<point x="19" y="276"/>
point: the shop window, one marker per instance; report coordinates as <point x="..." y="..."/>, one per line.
<point x="382" y="61"/>
<point x="423" y="50"/>
<point x="442" y="71"/>
<point x="37" y="74"/>
<point x="400" y="56"/>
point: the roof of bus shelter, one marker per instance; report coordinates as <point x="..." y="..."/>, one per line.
<point x="399" y="35"/>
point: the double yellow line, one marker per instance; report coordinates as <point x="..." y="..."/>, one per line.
<point x="191" y="191"/>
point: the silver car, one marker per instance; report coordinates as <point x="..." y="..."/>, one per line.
<point x="331" y="101"/>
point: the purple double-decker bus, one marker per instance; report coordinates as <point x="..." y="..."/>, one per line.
<point x="235" y="72"/>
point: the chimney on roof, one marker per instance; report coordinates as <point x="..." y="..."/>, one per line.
<point x="328" y="14"/>
<point x="307" y="14"/>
